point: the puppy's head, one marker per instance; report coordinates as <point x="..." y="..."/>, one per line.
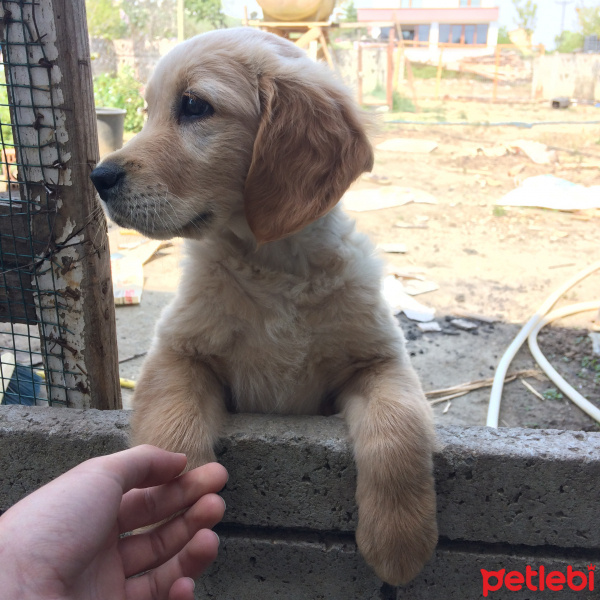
<point x="238" y="120"/>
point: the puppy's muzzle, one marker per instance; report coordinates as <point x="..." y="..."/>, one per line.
<point x="106" y="179"/>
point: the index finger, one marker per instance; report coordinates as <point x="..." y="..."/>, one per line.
<point x="142" y="466"/>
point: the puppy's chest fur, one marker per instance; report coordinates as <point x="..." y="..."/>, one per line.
<point x="281" y="341"/>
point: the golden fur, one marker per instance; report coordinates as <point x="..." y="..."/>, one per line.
<point x="279" y="309"/>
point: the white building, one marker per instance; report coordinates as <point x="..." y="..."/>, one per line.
<point x="458" y="27"/>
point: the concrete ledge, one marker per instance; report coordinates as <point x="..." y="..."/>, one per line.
<point x="503" y="495"/>
<point x="517" y="486"/>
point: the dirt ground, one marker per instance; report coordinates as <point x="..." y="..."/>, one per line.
<point x="501" y="263"/>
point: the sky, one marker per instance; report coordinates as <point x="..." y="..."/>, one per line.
<point x="548" y="21"/>
<point x="549" y="16"/>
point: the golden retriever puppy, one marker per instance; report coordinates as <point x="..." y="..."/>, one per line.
<point x="248" y="147"/>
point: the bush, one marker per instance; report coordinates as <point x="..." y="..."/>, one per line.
<point x="402" y="103"/>
<point x="5" y="121"/>
<point x="121" y="90"/>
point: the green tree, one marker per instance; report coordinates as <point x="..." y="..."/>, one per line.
<point x="121" y="90"/>
<point x="589" y="19"/>
<point x="150" y="19"/>
<point x="503" y="37"/>
<point x="526" y="14"/>
<point x="569" y="41"/>
<point x="104" y="19"/>
<point x="349" y="12"/>
<point x="207" y="10"/>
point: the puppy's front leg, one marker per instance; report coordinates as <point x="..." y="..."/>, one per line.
<point x="392" y="431"/>
<point x="178" y="405"/>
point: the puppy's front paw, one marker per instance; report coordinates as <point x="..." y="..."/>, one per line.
<point x="397" y="537"/>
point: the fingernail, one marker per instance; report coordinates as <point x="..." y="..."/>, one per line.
<point x="224" y="503"/>
<point x="193" y="582"/>
<point x="218" y="539"/>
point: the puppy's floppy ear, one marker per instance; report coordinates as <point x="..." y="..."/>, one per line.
<point x="311" y="145"/>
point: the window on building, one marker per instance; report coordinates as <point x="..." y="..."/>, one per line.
<point x="469" y="34"/>
<point x="456" y="34"/>
<point x="474" y="3"/>
<point x="408" y="33"/>
<point x="463" y="34"/>
<point x="423" y="33"/>
<point x="482" y="33"/>
<point x="444" y="33"/>
<point x="411" y="4"/>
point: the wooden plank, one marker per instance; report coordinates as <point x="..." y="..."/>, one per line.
<point x="100" y="354"/>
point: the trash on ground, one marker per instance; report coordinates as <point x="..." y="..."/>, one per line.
<point x="128" y="279"/>
<point x="463" y="324"/>
<point x="401" y="225"/>
<point x="127" y="261"/>
<point x="406" y="272"/>
<point x="536" y="151"/>
<point x="414" y="287"/>
<point x="24" y="340"/>
<point x="429" y="327"/>
<point x="548" y="191"/>
<point x="595" y="337"/>
<point x="493" y="182"/>
<point x="459" y="312"/>
<point x="449" y="393"/>
<point x="494" y="151"/>
<point x="400" y="301"/>
<point x="19" y="384"/>
<point x="561" y="102"/>
<point x="514" y="171"/>
<point x="408" y="145"/>
<point x="532" y="390"/>
<point x="378" y="179"/>
<point x="386" y="197"/>
<point x="393" y="248"/>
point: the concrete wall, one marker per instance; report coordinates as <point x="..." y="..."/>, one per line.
<point x="575" y="76"/>
<point x="507" y="498"/>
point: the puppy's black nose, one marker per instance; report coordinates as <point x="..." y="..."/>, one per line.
<point x="106" y="177"/>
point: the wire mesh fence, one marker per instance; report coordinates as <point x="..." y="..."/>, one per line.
<point x="45" y="245"/>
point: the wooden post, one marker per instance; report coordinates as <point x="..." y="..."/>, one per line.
<point x="409" y="72"/>
<point x="325" y="48"/>
<point x="438" y="76"/>
<point x="496" y="71"/>
<point x="398" y="67"/>
<point x="99" y="348"/>
<point x="58" y="148"/>
<point x="359" y="75"/>
<point x="389" y="87"/>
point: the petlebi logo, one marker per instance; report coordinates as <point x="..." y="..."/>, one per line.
<point x="538" y="580"/>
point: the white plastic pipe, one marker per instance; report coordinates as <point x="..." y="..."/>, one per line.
<point x="502" y="369"/>
<point x="569" y="391"/>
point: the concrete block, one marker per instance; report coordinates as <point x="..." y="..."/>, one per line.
<point x="290" y="566"/>
<point x="39" y="444"/>
<point x="292" y="472"/>
<point x="305" y="566"/>
<point x="519" y="486"/>
<point x="454" y="573"/>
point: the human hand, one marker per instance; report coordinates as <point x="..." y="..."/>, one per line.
<point x="64" y="540"/>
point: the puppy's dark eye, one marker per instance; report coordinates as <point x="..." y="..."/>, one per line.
<point x="193" y="107"/>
